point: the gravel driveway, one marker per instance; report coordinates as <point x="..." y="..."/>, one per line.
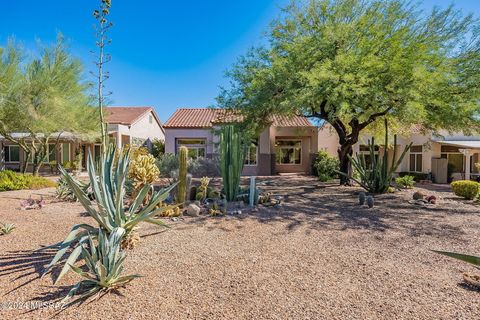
<point x="319" y="256"/>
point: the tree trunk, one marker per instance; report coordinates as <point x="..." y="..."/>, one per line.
<point x="344" y="151"/>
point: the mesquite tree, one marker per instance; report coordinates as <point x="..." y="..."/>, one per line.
<point x="353" y="62"/>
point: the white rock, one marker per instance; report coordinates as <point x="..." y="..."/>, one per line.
<point x="193" y="210"/>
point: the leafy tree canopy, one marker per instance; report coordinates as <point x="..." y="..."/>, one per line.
<point x="350" y="62"/>
<point x="43" y="95"/>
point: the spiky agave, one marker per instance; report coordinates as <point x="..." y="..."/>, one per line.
<point x="6" y="228"/>
<point x="110" y="211"/>
<point x="104" y="262"/>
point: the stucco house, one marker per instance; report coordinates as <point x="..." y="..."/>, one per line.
<point x="430" y="154"/>
<point x="126" y="125"/>
<point x="287" y="146"/>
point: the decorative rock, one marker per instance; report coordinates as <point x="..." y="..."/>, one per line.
<point x="193" y="210"/>
<point x="418" y="195"/>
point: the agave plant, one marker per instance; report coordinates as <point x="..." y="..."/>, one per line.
<point x="6" y="228"/>
<point x="105" y="265"/>
<point x="110" y="211"/>
<point x="460" y="256"/>
<point x="65" y="192"/>
<point x="376" y="176"/>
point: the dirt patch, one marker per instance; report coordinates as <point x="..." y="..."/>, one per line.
<point x="318" y="256"/>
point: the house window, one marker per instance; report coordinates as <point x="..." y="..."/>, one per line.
<point x="288" y="151"/>
<point x="364" y="151"/>
<point x="150" y="119"/>
<point x="455" y="158"/>
<point x="196" y="147"/>
<point x="416" y="159"/>
<point x="251" y="155"/>
<point x="11" y="153"/>
<point x="50" y="153"/>
<point x="65" y="152"/>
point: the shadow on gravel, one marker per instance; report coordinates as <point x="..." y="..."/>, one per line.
<point x="25" y="264"/>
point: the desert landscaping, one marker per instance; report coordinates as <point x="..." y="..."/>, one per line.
<point x="319" y="255"/>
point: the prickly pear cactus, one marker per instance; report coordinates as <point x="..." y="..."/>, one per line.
<point x="361" y="198"/>
<point x="370" y="201"/>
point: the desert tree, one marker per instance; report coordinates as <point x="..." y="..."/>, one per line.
<point x="351" y="62"/>
<point x="42" y="97"/>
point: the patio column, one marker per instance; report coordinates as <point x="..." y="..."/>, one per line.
<point x="467" y="153"/>
<point x="118" y="140"/>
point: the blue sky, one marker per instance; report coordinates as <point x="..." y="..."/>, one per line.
<point x="166" y="54"/>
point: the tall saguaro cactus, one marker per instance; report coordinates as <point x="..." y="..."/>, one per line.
<point x="232" y="157"/>
<point x="182" y="174"/>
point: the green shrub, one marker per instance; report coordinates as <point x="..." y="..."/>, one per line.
<point x="405" y="182"/>
<point x="325" y="166"/>
<point x="466" y="189"/>
<point x="10" y="180"/>
<point x="417" y="176"/>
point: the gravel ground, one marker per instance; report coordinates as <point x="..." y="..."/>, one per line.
<point x="319" y="256"/>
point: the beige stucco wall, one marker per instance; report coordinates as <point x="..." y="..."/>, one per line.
<point x="143" y="129"/>
<point x="328" y="140"/>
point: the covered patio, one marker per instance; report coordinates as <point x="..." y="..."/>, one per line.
<point x="470" y="154"/>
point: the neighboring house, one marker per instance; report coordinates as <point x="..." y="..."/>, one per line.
<point x="287" y="146"/>
<point x="126" y="125"/>
<point x="133" y="125"/>
<point x="430" y="154"/>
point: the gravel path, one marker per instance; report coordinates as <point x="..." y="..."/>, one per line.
<point x="320" y="256"/>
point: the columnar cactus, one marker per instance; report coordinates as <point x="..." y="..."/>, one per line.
<point x="182" y="174"/>
<point x="232" y="157"/>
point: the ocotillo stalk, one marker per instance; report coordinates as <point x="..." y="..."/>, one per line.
<point x="182" y="174"/>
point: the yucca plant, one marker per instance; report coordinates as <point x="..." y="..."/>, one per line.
<point x="6" y="228"/>
<point x="376" y="176"/>
<point x="110" y="211"/>
<point x="232" y="158"/>
<point x="104" y="262"/>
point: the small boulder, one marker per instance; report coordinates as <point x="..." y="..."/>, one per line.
<point x="418" y="195"/>
<point x="193" y="210"/>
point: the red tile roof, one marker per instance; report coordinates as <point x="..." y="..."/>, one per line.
<point x="204" y="118"/>
<point x="125" y="115"/>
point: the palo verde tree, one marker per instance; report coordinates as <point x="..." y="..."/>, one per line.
<point x="40" y="99"/>
<point x="351" y="62"/>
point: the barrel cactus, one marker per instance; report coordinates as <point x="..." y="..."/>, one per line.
<point x="370" y="201"/>
<point x="361" y="198"/>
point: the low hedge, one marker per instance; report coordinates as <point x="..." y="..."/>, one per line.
<point x="466" y="189"/>
<point x="418" y="176"/>
<point x="10" y="180"/>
